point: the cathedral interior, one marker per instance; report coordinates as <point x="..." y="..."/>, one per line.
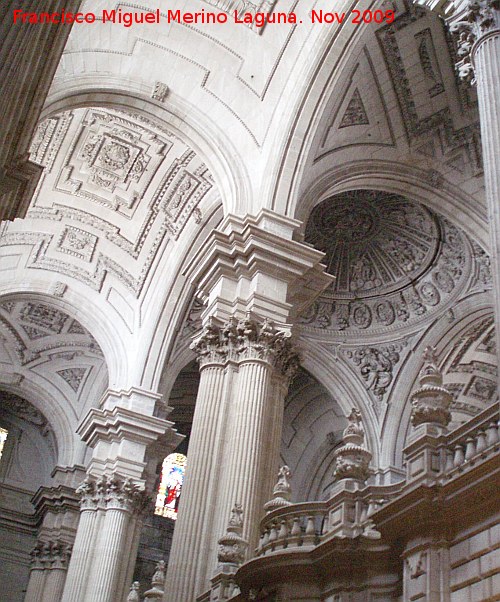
<point x="249" y="304"/>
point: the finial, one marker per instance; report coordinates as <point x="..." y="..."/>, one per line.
<point x="352" y="458"/>
<point x="281" y="492"/>
<point x="232" y="546"/>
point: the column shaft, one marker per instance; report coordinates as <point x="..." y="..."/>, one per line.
<point x="188" y="557"/>
<point x="110" y="553"/>
<point x="249" y="435"/>
<point x="54" y="585"/>
<point x="81" y="558"/>
<point x="35" y="585"/>
<point x="487" y="67"/>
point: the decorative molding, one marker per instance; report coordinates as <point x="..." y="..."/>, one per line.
<point x="355" y="113"/>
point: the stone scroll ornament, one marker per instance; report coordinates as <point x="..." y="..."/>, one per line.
<point x="232" y="546"/>
<point x="481" y="18"/>
<point x="352" y="458"/>
<point x="112" y="493"/>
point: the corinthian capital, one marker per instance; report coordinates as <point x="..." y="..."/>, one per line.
<point x="480" y="18"/>
<point x="112" y="493"/>
<point x="247" y="339"/>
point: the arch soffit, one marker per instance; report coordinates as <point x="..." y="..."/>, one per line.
<point x="44" y="400"/>
<point x="407" y="181"/>
<point x="184" y="119"/>
<point x="90" y="315"/>
<point x="441" y="335"/>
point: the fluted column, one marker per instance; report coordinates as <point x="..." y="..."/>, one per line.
<point x="120" y="431"/>
<point x="264" y="356"/>
<point x="188" y="558"/>
<point x="253" y="277"/>
<point x="479" y="49"/>
<point x="81" y="558"/>
<point x="36" y="581"/>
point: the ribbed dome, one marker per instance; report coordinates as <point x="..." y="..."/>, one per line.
<point x="375" y="242"/>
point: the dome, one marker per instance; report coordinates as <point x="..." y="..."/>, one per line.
<point x="395" y="261"/>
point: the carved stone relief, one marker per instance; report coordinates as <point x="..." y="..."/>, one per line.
<point x="377" y="366"/>
<point x="459" y="148"/>
<point x="33" y="330"/>
<point x="470" y="370"/>
<point x="110" y="159"/>
<point x="396" y="263"/>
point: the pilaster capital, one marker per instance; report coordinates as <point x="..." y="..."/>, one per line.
<point x="252" y="263"/>
<point x="52" y="554"/>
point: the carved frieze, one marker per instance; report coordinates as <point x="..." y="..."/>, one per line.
<point x="459" y="148"/>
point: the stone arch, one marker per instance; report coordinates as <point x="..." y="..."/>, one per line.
<point x="408" y="181"/>
<point x="48" y="357"/>
<point x="177" y="114"/>
<point x="471" y="314"/>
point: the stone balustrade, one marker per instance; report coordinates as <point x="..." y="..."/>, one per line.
<point x="471" y="443"/>
<point x="293" y="526"/>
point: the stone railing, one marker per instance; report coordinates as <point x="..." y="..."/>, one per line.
<point x="473" y="442"/>
<point x="293" y="526"/>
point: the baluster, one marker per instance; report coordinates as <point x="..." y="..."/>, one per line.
<point x="260" y="545"/>
<point x="273" y="536"/>
<point x="265" y="538"/>
<point x="449" y="461"/>
<point x="458" y="458"/>
<point x="470" y="448"/>
<point x="480" y="442"/>
<point x="283" y="533"/>
<point x="492" y="434"/>
<point x="310" y="533"/>
<point x="296" y="527"/>
<point x="310" y="530"/>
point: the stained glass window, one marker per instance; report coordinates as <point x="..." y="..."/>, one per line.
<point x="169" y="491"/>
<point x="3" y="437"/>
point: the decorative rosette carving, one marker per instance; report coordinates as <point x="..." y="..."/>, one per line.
<point x="112" y="493"/>
<point x="282" y="491"/>
<point x="232" y="546"/>
<point x="245" y="340"/>
<point x="352" y="458"/>
<point x="431" y="401"/>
